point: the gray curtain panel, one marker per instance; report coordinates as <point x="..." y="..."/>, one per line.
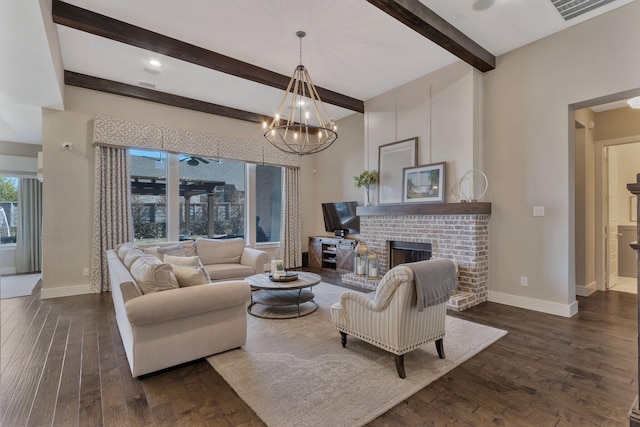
<point x="29" y="233"/>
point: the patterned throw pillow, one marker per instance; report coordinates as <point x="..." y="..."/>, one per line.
<point x="175" y="250"/>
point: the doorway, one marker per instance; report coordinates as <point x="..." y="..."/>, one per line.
<point x="623" y="163"/>
<point x="619" y="161"/>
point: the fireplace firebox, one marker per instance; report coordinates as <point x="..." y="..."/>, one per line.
<point x="404" y="252"/>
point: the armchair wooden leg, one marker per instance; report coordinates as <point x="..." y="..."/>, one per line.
<point x="400" y="366"/>
<point x="440" y="348"/>
<point x="343" y="339"/>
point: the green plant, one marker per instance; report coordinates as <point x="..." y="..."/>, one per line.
<point x="366" y="179"/>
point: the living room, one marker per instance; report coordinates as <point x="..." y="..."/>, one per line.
<point x="516" y="123"/>
<point x="452" y="100"/>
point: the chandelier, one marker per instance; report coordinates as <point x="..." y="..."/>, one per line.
<point x="305" y="128"/>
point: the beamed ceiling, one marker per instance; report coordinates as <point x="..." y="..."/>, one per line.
<point x="234" y="58"/>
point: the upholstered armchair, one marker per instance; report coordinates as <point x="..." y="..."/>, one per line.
<point x="397" y="319"/>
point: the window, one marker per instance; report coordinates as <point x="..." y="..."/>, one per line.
<point x="268" y="203"/>
<point x="212" y="198"/>
<point x="149" y="196"/>
<point x="190" y="197"/>
<point x="8" y="210"/>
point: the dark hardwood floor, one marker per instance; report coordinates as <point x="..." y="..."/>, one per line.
<point x="63" y="364"/>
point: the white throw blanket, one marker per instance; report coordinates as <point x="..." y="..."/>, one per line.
<point x="435" y="280"/>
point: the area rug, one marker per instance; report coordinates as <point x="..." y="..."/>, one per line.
<point x="295" y="372"/>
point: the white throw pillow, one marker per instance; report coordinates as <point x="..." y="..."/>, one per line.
<point x="220" y="251"/>
<point x="188" y="270"/>
<point x="123" y="248"/>
<point x="131" y="257"/>
<point x="153" y="275"/>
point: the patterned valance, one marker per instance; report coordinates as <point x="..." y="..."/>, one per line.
<point x="108" y="131"/>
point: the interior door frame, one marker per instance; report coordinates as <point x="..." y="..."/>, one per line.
<point x="602" y="214"/>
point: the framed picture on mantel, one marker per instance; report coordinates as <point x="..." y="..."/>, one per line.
<point x="392" y="159"/>
<point x="424" y="184"/>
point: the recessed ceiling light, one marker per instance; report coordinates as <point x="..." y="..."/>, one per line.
<point x="634" y="102"/>
<point x="153" y="66"/>
<point x="482" y="4"/>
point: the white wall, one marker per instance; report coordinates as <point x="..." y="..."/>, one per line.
<point x="528" y="152"/>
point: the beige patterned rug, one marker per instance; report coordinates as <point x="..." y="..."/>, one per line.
<point x="295" y="372"/>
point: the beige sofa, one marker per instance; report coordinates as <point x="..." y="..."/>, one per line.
<point x="223" y="259"/>
<point x="163" y="324"/>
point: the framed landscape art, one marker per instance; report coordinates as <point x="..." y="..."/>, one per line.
<point x="392" y="159"/>
<point x="424" y="184"/>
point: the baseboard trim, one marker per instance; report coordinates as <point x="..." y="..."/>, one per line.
<point x="564" y="310"/>
<point x="585" y="291"/>
<point x="65" y="291"/>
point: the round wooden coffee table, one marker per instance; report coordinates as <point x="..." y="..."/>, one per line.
<point x="275" y="297"/>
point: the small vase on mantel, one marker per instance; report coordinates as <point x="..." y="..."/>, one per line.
<point x="366" y="179"/>
<point x="368" y="192"/>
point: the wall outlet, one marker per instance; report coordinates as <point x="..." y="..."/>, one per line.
<point x="538" y="211"/>
<point x="85" y="271"/>
<point x="524" y="281"/>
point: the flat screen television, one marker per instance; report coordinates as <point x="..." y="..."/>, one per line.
<point x="341" y="216"/>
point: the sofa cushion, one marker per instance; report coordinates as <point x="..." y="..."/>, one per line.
<point x="188" y="270"/>
<point x="189" y="247"/>
<point x="131" y="257"/>
<point x="123" y="248"/>
<point x="152" y="275"/>
<point x="228" y="271"/>
<point x="220" y="251"/>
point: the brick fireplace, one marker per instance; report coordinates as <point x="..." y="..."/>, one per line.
<point x="458" y="231"/>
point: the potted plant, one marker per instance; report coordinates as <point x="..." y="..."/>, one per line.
<point x="366" y="179"/>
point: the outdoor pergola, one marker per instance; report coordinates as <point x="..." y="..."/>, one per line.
<point x="150" y="186"/>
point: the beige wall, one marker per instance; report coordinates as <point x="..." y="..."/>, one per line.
<point x="328" y="175"/>
<point x="441" y="109"/>
<point x="622" y="123"/>
<point x="18" y="149"/>
<point x="617" y="123"/>
<point x="585" y="202"/>
<point x="529" y="157"/>
<point x="336" y="167"/>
